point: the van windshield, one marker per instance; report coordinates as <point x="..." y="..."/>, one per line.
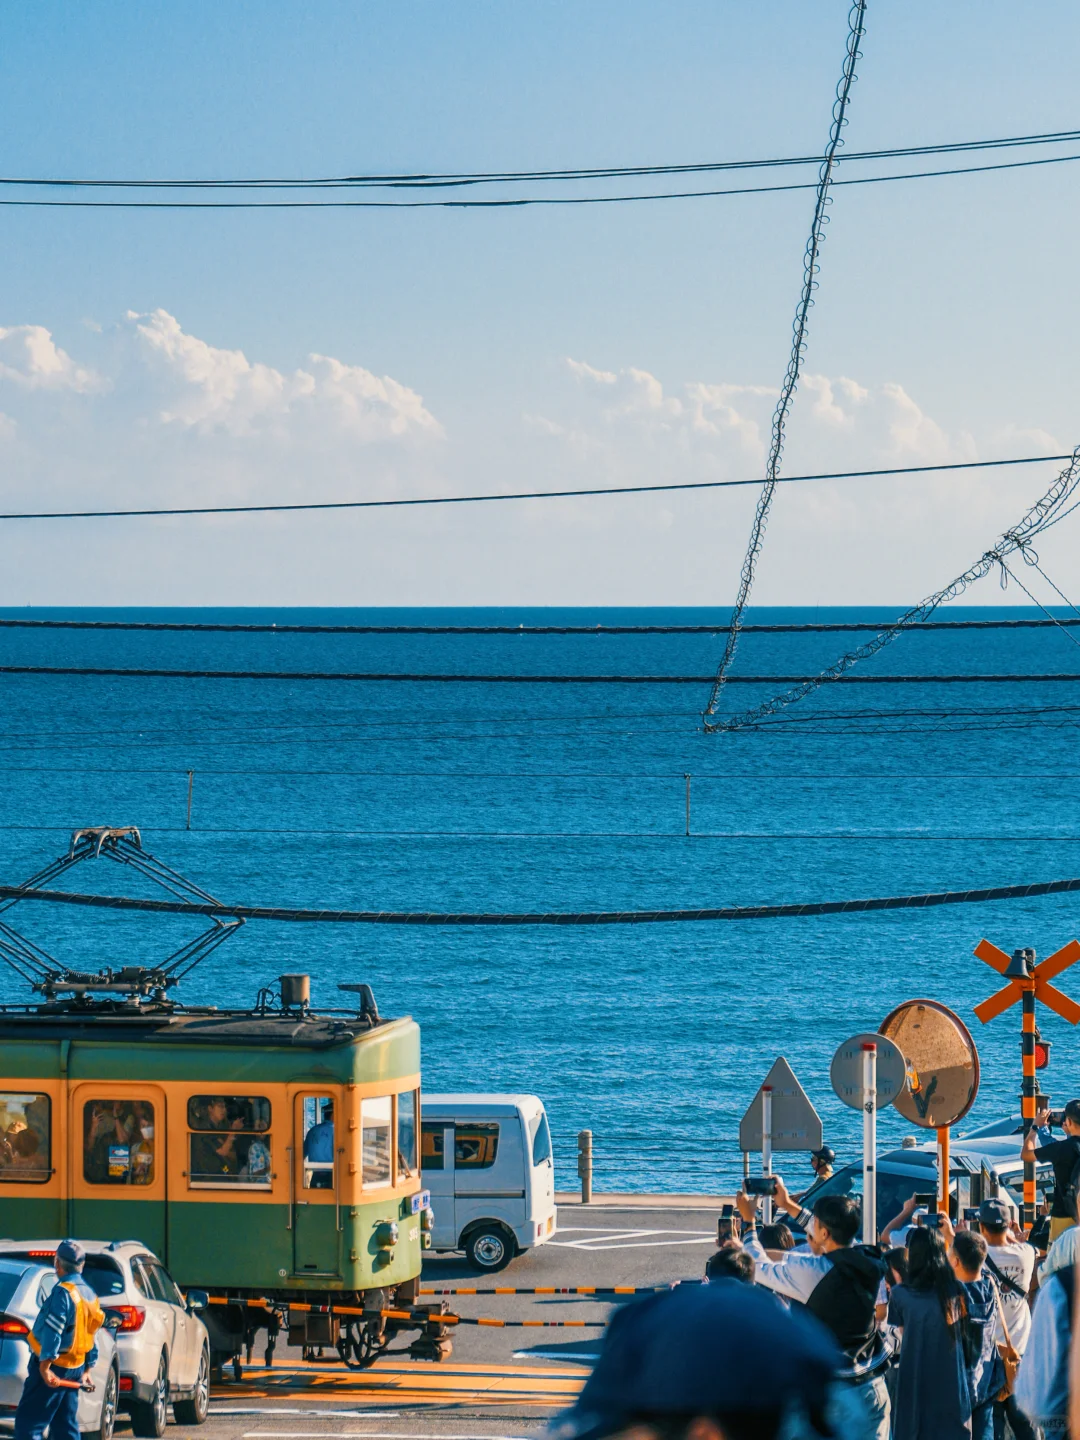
<point x="541" y="1138"/>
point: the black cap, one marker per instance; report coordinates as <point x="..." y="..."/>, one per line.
<point x="995" y="1214"/>
<point x="826" y="1153"/>
<point x="702" y="1350"/>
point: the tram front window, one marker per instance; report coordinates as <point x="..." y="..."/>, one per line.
<point x="118" y="1142"/>
<point x="228" y="1140"/>
<point x="375" y="1125"/>
<point x="406" y="1134"/>
<point x="24" y="1139"/>
<point x="318" y="1142"/>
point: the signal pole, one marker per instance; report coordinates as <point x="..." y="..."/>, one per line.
<point x="1028" y="982"/>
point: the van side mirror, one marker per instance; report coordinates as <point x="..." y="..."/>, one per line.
<point x="197" y="1300"/>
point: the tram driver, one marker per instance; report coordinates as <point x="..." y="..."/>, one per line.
<point x="319" y="1148"/>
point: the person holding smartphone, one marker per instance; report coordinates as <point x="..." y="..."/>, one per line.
<point x="1064" y="1156"/>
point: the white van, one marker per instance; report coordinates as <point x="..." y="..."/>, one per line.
<point x="486" y="1159"/>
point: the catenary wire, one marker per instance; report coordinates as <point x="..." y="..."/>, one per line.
<point x="292" y="914"/>
<point x="811" y="266"/>
<point x="520" y="202"/>
<point x="508" y="177"/>
<point x="515" y="495"/>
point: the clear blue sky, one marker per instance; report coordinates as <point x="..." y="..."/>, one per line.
<point x="960" y="292"/>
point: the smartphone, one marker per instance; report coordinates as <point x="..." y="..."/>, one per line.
<point x="759" y="1185"/>
<point x="933" y="1220"/>
<point x="725" y="1225"/>
<point x="930" y="1200"/>
<point x="971" y="1214"/>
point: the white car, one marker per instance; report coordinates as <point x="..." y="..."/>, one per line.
<point x="162" y="1345"/>
<point x="24" y="1284"/>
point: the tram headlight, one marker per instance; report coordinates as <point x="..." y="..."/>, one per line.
<point x="386" y="1235"/>
<point x="427" y="1219"/>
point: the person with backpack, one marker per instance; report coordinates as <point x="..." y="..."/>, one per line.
<point x="1064" y="1156"/>
<point x="839" y="1283"/>
<point x="1010" y="1263"/>
<point x="62" y="1351"/>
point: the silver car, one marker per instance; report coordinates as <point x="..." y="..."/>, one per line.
<point x="162" y="1346"/>
<point x="24" y="1284"/>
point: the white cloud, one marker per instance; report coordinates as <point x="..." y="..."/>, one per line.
<point x="30" y="357"/>
<point x="209" y="388"/>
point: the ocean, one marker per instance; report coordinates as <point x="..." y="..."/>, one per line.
<point x="498" y="797"/>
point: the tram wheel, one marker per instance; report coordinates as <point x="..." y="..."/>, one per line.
<point x="359" y="1344"/>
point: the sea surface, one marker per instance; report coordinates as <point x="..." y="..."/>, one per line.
<point x="508" y="797"/>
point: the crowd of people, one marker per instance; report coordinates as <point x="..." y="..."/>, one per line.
<point x="942" y="1330"/>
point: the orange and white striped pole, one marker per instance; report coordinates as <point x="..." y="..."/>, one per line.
<point x="1029" y="1088"/>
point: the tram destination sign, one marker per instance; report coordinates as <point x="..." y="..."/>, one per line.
<point x="796" y="1125"/>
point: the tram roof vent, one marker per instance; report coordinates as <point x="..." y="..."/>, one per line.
<point x="368" y="1009"/>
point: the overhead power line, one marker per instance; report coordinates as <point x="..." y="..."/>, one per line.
<point x="856" y="22"/>
<point x="450" y="179"/>
<point x="519" y="494"/>
<point x="160" y="673"/>
<point x="274" y="628"/>
<point x="517" y="202"/>
<point x="586" y="917"/>
<point x="1048" y="511"/>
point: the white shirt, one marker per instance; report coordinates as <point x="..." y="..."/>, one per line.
<point x="1016" y="1261"/>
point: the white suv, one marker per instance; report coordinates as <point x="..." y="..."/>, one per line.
<point x="161" y="1343"/>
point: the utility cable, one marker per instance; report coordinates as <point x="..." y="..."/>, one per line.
<point x="274" y="628"/>
<point x="147" y="673"/>
<point x="856" y="22"/>
<point x="518" y="494"/>
<point x="578" y="917"/>
<point x="519" y="202"/>
<point x="1038" y="518"/>
<point x="426" y="180"/>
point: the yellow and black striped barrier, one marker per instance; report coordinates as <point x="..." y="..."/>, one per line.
<point x="549" y="1290"/>
<point x="424" y="1317"/>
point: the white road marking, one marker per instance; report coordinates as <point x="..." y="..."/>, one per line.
<point x="635" y="1239"/>
<point x="366" y="1435"/>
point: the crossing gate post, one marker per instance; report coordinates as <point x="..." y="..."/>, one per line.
<point x="944" y="1162"/>
<point x="1028" y="982"/>
<point x="766" y="1146"/>
<point x="584" y="1165"/>
<point x="869" y="1108"/>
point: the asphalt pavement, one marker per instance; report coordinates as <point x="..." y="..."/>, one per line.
<point x="499" y="1382"/>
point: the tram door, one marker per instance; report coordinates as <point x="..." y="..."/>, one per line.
<point x="117" y="1163"/>
<point x="316" y="1212"/>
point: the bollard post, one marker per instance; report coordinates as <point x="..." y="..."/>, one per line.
<point x="869" y="1143"/>
<point x="687" y="779"/>
<point x="766" y="1146"/>
<point x="584" y="1165"/>
<point x="190" y="785"/>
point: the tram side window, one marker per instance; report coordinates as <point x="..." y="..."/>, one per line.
<point x="375" y="1125"/>
<point x="118" y="1142"/>
<point x="406" y="1134"/>
<point x="431" y="1145"/>
<point x="319" y="1146"/>
<point x="229" y="1140"/>
<point x="24" y="1146"/>
<point x="476" y="1145"/>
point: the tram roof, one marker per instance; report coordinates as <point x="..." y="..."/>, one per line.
<point x="190" y="1027"/>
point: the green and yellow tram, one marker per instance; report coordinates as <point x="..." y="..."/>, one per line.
<point x="269" y="1153"/>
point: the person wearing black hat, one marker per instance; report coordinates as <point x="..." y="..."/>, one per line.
<point x="721" y="1361"/>
<point x="821" y="1162"/>
<point x="62" y="1352"/>
<point x="840" y="1283"/>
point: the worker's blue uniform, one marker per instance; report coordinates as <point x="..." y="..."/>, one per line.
<point x="42" y="1407"/>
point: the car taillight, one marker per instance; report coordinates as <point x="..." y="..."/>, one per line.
<point x="10" y="1326"/>
<point x="127" y="1383"/>
<point x="131" y="1317"/>
<point x="41" y="1254"/>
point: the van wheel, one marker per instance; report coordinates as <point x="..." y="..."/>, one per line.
<point x="195" y="1410"/>
<point x="490" y="1248"/>
<point x="150" y="1419"/>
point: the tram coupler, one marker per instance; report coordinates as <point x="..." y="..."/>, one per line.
<point x="433" y="1342"/>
